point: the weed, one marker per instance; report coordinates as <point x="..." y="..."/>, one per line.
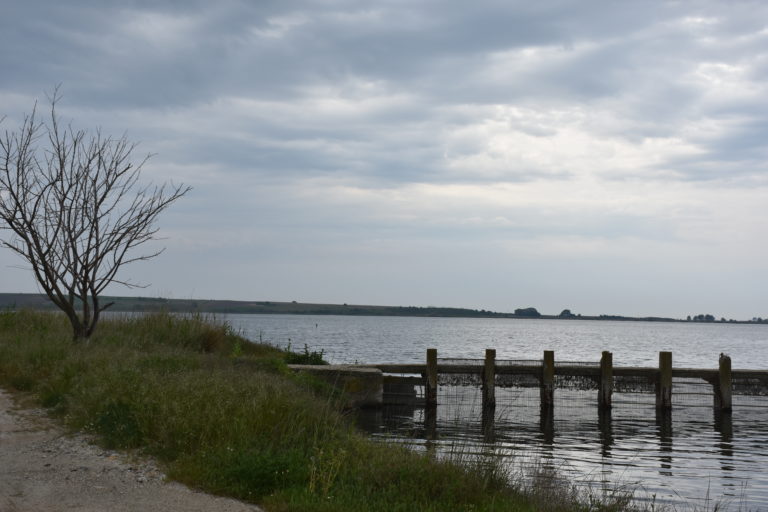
<point x="118" y="425"/>
<point x="237" y="349"/>
<point x="324" y="469"/>
<point x="306" y="357"/>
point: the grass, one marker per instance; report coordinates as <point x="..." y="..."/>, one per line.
<point x="227" y="416"/>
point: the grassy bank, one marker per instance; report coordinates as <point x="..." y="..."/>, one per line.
<point x="226" y="416"/>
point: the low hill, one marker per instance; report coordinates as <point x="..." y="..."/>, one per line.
<point x="147" y="304"/>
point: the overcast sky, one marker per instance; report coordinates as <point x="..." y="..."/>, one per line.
<point x="602" y="156"/>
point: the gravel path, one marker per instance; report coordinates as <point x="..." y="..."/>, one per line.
<point x="43" y="469"/>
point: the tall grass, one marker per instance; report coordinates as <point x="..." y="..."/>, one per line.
<point x="226" y="416"/>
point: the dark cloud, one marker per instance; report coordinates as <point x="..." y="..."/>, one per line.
<point x="386" y="129"/>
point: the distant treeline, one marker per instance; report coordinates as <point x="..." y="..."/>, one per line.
<point x="149" y="304"/>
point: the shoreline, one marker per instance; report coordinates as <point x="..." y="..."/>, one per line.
<point x="12" y="301"/>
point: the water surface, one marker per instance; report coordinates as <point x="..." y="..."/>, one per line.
<point x="692" y="455"/>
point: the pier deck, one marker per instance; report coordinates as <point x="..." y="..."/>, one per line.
<point x="548" y="374"/>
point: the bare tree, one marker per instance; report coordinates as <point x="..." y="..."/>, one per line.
<point x="74" y="209"/>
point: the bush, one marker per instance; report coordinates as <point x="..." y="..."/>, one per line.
<point x="305" y="357"/>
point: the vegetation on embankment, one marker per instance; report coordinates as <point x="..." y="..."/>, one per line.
<point x="226" y="416"/>
<point x="41" y="302"/>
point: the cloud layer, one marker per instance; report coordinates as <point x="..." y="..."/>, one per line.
<point x="604" y="157"/>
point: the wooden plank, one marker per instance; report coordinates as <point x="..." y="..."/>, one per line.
<point x="518" y="370"/>
<point x="694" y="373"/>
<point x="749" y="374"/>
<point x="577" y="370"/>
<point x="635" y="371"/>
<point x="565" y="369"/>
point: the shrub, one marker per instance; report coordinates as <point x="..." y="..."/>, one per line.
<point x="306" y="357"/>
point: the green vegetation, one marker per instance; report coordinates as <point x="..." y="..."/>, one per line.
<point x="306" y="357"/>
<point x="527" y="312"/>
<point x="36" y="301"/>
<point x="226" y="416"/>
<point x="149" y="304"/>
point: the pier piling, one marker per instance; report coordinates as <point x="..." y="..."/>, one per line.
<point x="605" y="392"/>
<point x="489" y="380"/>
<point x="430" y="384"/>
<point x="548" y="379"/>
<point x="724" y="385"/>
<point x="664" y="383"/>
<point x="604" y="377"/>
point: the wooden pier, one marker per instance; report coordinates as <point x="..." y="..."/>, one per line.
<point x="601" y="376"/>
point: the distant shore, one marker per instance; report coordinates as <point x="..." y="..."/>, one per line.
<point x="150" y="304"/>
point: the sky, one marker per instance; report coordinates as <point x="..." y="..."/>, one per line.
<point x="605" y="157"/>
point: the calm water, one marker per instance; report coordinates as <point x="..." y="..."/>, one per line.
<point x="691" y="455"/>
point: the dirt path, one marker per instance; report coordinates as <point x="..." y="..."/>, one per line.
<point x="44" y="470"/>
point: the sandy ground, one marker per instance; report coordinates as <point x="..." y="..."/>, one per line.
<point x="42" y="469"/>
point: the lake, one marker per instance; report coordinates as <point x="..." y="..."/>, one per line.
<point x="692" y="455"/>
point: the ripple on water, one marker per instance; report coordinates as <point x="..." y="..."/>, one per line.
<point x="685" y="456"/>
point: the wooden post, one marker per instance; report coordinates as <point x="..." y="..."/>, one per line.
<point x="666" y="437"/>
<point x="605" y="424"/>
<point x="430" y="423"/>
<point x="488" y="423"/>
<point x="664" y="384"/>
<point x="724" y="385"/>
<point x="548" y="379"/>
<point x="489" y="379"/>
<point x="547" y="424"/>
<point x="430" y="384"/>
<point x="606" y="381"/>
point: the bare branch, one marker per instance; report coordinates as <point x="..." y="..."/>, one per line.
<point x="72" y="206"/>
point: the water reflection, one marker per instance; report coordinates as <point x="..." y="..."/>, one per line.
<point x="430" y="423"/>
<point x="704" y="452"/>
<point x="724" y="426"/>
<point x="489" y="424"/>
<point x="605" y="426"/>
<point x="547" y="425"/>
<point x="664" y="430"/>
<point x="674" y="455"/>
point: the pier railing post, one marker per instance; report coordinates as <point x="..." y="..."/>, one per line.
<point x="430" y="384"/>
<point x="489" y="379"/>
<point x="548" y="379"/>
<point x="606" y="381"/>
<point x="664" y="384"/>
<point x="724" y="385"/>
